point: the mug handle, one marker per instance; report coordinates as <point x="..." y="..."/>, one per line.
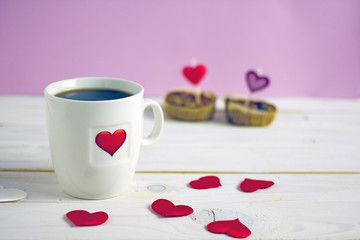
<point x="158" y="118"/>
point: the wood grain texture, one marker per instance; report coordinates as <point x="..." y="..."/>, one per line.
<point x="308" y="135"/>
<point x="296" y="207"/>
<point x="309" y="151"/>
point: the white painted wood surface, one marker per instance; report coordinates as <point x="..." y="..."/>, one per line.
<point x="299" y="206"/>
<point x="308" y="135"/>
<point x="311" y="152"/>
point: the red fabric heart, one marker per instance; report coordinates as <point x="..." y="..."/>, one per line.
<point x="233" y="228"/>
<point x="206" y="182"/>
<point x="84" y="218"/>
<point x="255" y="82"/>
<point x="110" y="143"/>
<point x="251" y="185"/>
<point x="194" y="74"/>
<point x="167" y="209"/>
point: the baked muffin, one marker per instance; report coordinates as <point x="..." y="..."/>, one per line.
<point x="190" y="106"/>
<point x="248" y="112"/>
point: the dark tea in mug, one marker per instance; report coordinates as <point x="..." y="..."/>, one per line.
<point x="93" y="94"/>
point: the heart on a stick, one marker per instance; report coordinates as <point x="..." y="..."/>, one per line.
<point x="206" y="182"/>
<point x="84" y="218"/>
<point x="233" y="228"/>
<point x="167" y="209"/>
<point x="255" y="82"/>
<point x="252" y="185"/>
<point x="194" y="74"/>
<point x="110" y="143"/>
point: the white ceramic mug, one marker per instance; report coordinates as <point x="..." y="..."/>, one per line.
<point x="95" y="145"/>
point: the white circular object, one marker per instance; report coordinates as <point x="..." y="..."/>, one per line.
<point x="11" y="194"/>
<point x="157" y="188"/>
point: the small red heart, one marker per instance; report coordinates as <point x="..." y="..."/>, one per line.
<point x="206" y="182"/>
<point x="255" y="82"/>
<point x="251" y="185"/>
<point x="110" y="143"/>
<point x="233" y="228"/>
<point x="167" y="209"/>
<point x="84" y="218"/>
<point x="194" y="74"/>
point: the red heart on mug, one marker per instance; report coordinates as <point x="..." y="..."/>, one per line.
<point x="167" y="209"/>
<point x="255" y="82"/>
<point x="84" y="218"/>
<point x="251" y="185"/>
<point x="194" y="74"/>
<point x="206" y="182"/>
<point x="233" y="228"/>
<point x="110" y="143"/>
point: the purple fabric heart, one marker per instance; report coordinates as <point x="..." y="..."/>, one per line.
<point x="255" y="82"/>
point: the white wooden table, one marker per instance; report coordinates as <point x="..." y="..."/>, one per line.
<point x="311" y="152"/>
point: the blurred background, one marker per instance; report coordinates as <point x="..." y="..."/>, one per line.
<point x="306" y="47"/>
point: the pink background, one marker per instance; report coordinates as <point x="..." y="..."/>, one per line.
<point x="306" y="47"/>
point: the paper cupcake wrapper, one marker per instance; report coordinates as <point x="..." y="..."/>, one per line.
<point x="201" y="113"/>
<point x="240" y="114"/>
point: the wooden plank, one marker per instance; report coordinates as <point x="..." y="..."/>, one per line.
<point x="297" y="207"/>
<point x="22" y="110"/>
<point x="33" y="106"/>
<point x="304" y="141"/>
<point x="294" y="142"/>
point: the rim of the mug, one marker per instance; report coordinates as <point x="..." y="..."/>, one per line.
<point x="51" y="93"/>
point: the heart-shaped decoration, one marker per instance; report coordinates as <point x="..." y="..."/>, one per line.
<point x="194" y="74"/>
<point x="84" y="218"/>
<point x="255" y="82"/>
<point x="167" y="209"/>
<point x="110" y="143"/>
<point x="251" y="185"/>
<point x="206" y="182"/>
<point x="11" y="194"/>
<point x="233" y="228"/>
